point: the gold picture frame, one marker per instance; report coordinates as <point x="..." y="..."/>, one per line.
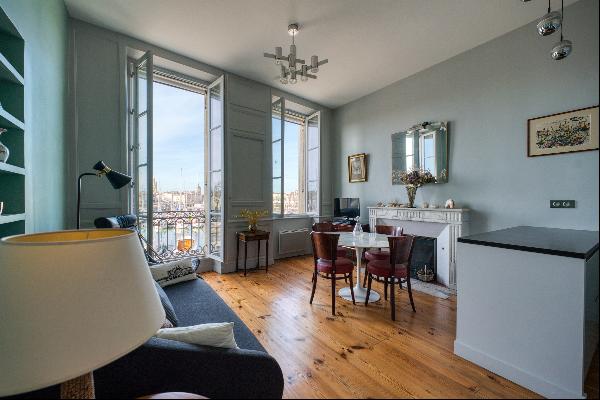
<point x="567" y="132"/>
<point x="357" y="168"/>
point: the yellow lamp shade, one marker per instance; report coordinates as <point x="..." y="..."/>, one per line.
<point x="71" y="302"/>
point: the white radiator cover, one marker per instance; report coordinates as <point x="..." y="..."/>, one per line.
<point x="293" y="241"/>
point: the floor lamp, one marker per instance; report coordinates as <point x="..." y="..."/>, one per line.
<point x="116" y="179"/>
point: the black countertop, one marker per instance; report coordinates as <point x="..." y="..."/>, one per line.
<point x="560" y="242"/>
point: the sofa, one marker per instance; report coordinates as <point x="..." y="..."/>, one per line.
<point x="162" y="365"/>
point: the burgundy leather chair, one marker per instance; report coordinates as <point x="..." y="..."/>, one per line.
<point x="329" y="227"/>
<point x="383" y="254"/>
<point x="394" y="269"/>
<point x="328" y="265"/>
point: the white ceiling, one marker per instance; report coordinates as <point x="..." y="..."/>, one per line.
<point x="369" y="43"/>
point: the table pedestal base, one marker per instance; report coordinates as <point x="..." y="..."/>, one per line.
<point x="360" y="294"/>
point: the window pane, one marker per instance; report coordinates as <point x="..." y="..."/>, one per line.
<point x="142" y="139"/>
<point x="312" y="197"/>
<point x="216" y="191"/>
<point x="276" y="126"/>
<point x="291" y="168"/>
<point x="313" y="133"/>
<point x="276" y="195"/>
<point x="215" y="235"/>
<point x="142" y="187"/>
<point x="216" y="116"/>
<point x="277" y="159"/>
<point x="312" y="163"/>
<point x="215" y="149"/>
<point x="142" y="88"/>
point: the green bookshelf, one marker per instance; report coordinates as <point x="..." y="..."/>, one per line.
<point x="13" y="172"/>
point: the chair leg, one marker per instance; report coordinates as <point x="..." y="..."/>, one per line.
<point x="400" y="283"/>
<point x="365" y="278"/>
<point x="312" y="295"/>
<point x="370" y="281"/>
<point x="410" y="296"/>
<point x="352" y="288"/>
<point x="333" y="294"/>
<point x="385" y="289"/>
<point x="393" y="299"/>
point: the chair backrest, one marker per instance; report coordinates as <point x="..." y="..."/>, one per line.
<point x="401" y="249"/>
<point x="324" y="245"/>
<point x="323" y="227"/>
<point x="385" y="230"/>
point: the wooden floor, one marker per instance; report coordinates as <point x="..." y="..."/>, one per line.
<point x="359" y="353"/>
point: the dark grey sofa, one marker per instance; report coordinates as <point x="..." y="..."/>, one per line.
<point x="162" y="365"/>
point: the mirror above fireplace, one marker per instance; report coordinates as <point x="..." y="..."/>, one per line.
<point x="423" y="146"/>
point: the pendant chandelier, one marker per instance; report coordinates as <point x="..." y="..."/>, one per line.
<point x="296" y="67"/>
<point x="551" y="22"/>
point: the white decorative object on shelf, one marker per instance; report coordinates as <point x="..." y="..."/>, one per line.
<point x="434" y="205"/>
<point x="4" y="153"/>
<point x="445" y="225"/>
<point x="450" y="204"/>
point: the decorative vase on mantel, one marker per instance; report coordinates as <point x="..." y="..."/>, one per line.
<point x="3" y="149"/>
<point x="413" y="180"/>
<point x="411" y="191"/>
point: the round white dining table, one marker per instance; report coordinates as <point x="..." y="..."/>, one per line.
<point x="360" y="242"/>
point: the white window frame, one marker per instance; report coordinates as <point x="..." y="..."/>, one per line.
<point x="303" y="187"/>
<point x="306" y="150"/>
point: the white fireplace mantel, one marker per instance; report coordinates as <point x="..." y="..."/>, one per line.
<point x="444" y="224"/>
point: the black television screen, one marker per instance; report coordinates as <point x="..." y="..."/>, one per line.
<point x="346" y="207"/>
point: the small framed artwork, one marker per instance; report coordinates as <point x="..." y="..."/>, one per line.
<point x="357" y="168"/>
<point x="567" y="132"/>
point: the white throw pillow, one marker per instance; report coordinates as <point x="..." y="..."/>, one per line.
<point x="171" y="272"/>
<point x="215" y="335"/>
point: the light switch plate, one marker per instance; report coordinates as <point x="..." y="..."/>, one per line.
<point x="562" y="203"/>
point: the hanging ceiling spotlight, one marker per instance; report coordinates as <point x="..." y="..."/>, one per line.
<point x="295" y="66"/>
<point x="550" y="22"/>
<point x="563" y="48"/>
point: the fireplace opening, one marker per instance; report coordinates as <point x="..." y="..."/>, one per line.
<point x="424" y="254"/>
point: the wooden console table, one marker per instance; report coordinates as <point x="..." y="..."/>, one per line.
<point x="248" y="236"/>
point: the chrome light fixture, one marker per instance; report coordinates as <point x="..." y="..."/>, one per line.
<point x="549" y="23"/>
<point x="296" y="67"/>
<point x="563" y="48"/>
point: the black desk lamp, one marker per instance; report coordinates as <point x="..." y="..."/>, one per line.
<point x="116" y="179"/>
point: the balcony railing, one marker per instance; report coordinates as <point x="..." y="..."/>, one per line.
<point x="177" y="234"/>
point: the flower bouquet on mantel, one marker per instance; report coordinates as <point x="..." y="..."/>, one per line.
<point x="252" y="216"/>
<point x="413" y="180"/>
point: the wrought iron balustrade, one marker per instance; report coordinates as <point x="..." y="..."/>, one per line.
<point x="177" y="234"/>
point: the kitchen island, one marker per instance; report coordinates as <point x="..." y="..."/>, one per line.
<point x="527" y="306"/>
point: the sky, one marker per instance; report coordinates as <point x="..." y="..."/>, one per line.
<point x="178" y="138"/>
<point x="291" y="154"/>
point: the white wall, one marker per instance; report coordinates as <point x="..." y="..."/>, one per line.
<point x="487" y="94"/>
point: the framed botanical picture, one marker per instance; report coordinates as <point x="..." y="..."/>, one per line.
<point x="566" y="132"/>
<point x="357" y="168"/>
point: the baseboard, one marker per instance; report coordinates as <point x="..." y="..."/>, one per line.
<point x="514" y="374"/>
